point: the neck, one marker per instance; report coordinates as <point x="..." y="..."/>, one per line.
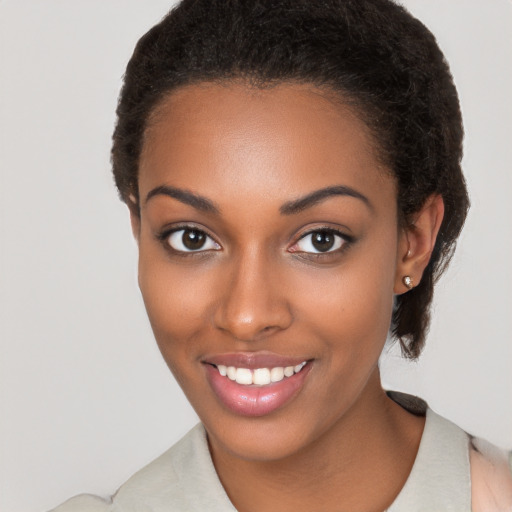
<point x="360" y="464"/>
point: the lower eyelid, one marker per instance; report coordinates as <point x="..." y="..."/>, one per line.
<point x="345" y="239"/>
<point x="165" y="235"/>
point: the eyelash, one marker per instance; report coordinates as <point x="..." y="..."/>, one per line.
<point x="346" y="241"/>
<point x="165" y="235"/>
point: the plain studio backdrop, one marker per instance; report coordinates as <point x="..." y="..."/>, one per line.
<point x="85" y="397"/>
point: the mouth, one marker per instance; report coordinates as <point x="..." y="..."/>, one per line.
<point x="259" y="376"/>
<point x="256" y="385"/>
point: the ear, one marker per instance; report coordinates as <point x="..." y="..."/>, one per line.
<point x="417" y="242"/>
<point x="134" y="217"/>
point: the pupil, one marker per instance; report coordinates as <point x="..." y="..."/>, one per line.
<point x="193" y="239"/>
<point x="323" y="241"/>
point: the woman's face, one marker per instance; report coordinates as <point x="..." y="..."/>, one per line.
<point x="268" y="239"/>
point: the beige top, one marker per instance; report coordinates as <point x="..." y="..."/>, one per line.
<point x="183" y="479"/>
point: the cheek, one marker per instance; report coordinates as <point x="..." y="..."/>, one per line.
<point x="350" y="306"/>
<point x="175" y="299"/>
<point x="348" y="313"/>
<point x="174" y="305"/>
<point x="360" y="291"/>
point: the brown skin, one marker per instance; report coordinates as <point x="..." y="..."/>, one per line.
<point x="340" y="443"/>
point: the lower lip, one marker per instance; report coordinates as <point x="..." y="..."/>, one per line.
<point x="255" y="400"/>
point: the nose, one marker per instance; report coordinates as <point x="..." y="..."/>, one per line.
<point x="253" y="301"/>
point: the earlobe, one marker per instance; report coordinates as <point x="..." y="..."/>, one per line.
<point x="417" y="244"/>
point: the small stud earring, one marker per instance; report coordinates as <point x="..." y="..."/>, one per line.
<point x="407" y="280"/>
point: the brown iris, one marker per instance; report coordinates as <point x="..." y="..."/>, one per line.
<point x="323" y="240"/>
<point x="193" y="239"/>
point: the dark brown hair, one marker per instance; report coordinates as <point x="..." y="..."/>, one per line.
<point x="372" y="52"/>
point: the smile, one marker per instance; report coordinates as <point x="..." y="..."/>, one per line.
<point x="256" y="384"/>
<point x="259" y="376"/>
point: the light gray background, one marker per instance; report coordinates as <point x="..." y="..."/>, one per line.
<point x="85" y="399"/>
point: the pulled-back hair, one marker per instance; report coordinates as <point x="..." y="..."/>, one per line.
<point x="373" y="53"/>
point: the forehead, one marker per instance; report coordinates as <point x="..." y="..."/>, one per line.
<point x="282" y="141"/>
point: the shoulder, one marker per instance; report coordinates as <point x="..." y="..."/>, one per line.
<point x="154" y="487"/>
<point x="491" y="476"/>
<point x="85" y="503"/>
<point x="453" y="470"/>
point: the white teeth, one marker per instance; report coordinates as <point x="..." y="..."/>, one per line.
<point x="299" y="367"/>
<point x="260" y="376"/>
<point x="277" y="374"/>
<point x="243" y="376"/>
<point x="289" y="371"/>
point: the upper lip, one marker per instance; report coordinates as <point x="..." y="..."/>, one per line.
<point x="253" y="360"/>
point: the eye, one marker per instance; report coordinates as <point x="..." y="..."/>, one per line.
<point x="191" y="240"/>
<point x="320" y="241"/>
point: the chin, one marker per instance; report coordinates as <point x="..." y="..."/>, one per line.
<point x="257" y="440"/>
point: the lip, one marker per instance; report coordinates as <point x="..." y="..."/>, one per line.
<point x="251" y="400"/>
<point x="253" y="360"/>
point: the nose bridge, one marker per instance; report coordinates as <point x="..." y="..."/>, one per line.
<point x="253" y="302"/>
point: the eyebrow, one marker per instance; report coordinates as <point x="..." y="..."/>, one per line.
<point x="298" y="205"/>
<point x="185" y="196"/>
<point x="289" y="208"/>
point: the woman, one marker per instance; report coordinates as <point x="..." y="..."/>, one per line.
<point x="292" y="171"/>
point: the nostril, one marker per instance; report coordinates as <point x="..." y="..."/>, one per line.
<point x="249" y="315"/>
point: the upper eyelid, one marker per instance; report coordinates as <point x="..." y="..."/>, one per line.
<point x="165" y="232"/>
<point x="168" y="230"/>
<point x="164" y="235"/>
<point x="347" y="241"/>
<point x="336" y="231"/>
